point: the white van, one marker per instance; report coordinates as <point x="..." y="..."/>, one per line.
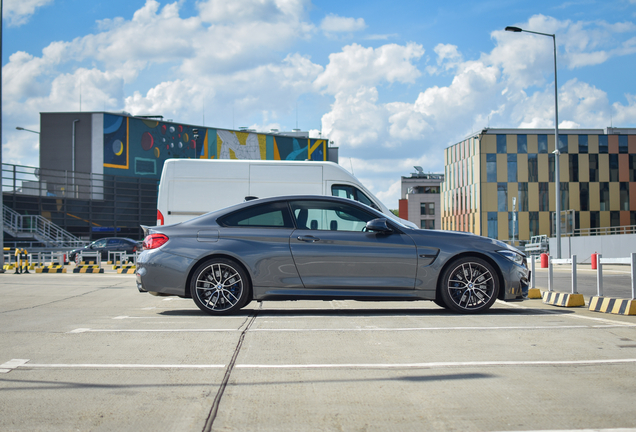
<point x="192" y="187"/>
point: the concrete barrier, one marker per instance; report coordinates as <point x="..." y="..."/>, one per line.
<point x="600" y="303"/>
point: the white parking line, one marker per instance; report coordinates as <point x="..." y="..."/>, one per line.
<point x="12" y="364"/>
<point x="89" y="330"/>
<point x="436" y="365"/>
<point x="360" y="329"/>
<point x="18" y="363"/>
<point x="575" y="315"/>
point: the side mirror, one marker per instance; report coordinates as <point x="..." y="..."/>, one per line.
<point x="378" y="225"/>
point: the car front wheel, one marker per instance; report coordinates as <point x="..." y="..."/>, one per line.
<point x="469" y="285"/>
<point x="219" y="286"/>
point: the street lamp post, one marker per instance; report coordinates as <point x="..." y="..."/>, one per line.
<point x="557" y="180"/>
<point x="28" y="130"/>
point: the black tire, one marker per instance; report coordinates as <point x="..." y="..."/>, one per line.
<point x="469" y="285"/>
<point x="220" y="286"/>
<point x="439" y="302"/>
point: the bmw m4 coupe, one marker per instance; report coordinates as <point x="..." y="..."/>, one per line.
<point x="323" y="248"/>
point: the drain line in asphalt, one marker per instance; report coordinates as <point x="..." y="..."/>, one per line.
<point x="217" y="399"/>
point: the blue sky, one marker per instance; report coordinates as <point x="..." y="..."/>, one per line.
<point x="391" y="83"/>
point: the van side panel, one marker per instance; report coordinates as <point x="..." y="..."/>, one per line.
<point x="273" y="180"/>
<point x="196" y="188"/>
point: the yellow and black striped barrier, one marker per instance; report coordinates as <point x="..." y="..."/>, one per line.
<point x="563" y="299"/>
<point x="128" y="270"/>
<point x="50" y="269"/>
<point x="88" y="269"/>
<point x="612" y="305"/>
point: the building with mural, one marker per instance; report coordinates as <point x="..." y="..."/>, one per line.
<point x="120" y="144"/>
<point x="99" y="171"/>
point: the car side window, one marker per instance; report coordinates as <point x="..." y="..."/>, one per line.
<point x="329" y="216"/>
<point x="114" y="242"/>
<point x="271" y="215"/>
<point x="352" y="192"/>
<point x="99" y="243"/>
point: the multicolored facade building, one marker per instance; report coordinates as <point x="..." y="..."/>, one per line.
<point x="99" y="171"/>
<point x="500" y="183"/>
<point x="124" y="145"/>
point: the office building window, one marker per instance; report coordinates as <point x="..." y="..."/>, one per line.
<point x="565" y="195"/>
<point x="624" y="192"/>
<point x="595" y="220"/>
<point x="551" y="168"/>
<point x="622" y="144"/>
<point x="523" y="196"/>
<point x="583" y="148"/>
<point x="492" y="225"/>
<point x="604" y="195"/>
<point x="522" y="143"/>
<point x="501" y="144"/>
<point x="491" y="168"/>
<point x="613" y="165"/>
<point x="427" y="209"/>
<point x="534" y="223"/>
<point x="593" y="167"/>
<point x="602" y="144"/>
<point x="512" y="167"/>
<point x="542" y="141"/>
<point x="502" y="197"/>
<point x="615" y="218"/>
<point x="427" y="223"/>
<point x="574" y="167"/>
<point x="632" y="168"/>
<point x="563" y="143"/>
<point x="533" y="167"/>
<point x="544" y="196"/>
<point x="584" y="196"/>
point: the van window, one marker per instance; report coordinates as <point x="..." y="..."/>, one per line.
<point x="271" y="215"/>
<point x="352" y="192"/>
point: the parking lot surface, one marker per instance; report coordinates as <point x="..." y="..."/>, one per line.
<point x="88" y="352"/>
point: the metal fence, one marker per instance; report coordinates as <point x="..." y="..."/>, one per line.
<point x="89" y="206"/>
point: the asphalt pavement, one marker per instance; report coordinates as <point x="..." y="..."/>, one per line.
<point x="88" y="352"/>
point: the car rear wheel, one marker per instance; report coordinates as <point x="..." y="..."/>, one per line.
<point x="219" y="286"/>
<point x="469" y="285"/>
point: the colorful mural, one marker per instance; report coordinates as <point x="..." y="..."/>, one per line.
<point x="139" y="147"/>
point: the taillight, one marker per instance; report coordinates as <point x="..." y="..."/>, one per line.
<point x="160" y="220"/>
<point x="153" y="241"/>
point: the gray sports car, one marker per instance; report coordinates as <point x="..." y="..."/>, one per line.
<point x="323" y="248"/>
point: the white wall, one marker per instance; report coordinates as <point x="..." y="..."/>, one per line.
<point x="610" y="246"/>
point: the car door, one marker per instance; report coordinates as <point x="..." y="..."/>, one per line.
<point x="331" y="250"/>
<point x="112" y="245"/>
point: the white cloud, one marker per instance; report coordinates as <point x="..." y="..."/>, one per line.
<point x="18" y="12"/>
<point x="237" y="59"/>
<point x="336" y="24"/>
<point x="357" y="66"/>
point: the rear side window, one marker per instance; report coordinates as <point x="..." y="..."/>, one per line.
<point x="272" y="215"/>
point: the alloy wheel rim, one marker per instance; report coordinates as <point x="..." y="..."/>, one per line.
<point x="219" y="287"/>
<point x="471" y="286"/>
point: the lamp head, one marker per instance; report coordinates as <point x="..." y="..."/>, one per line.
<point x="513" y="29"/>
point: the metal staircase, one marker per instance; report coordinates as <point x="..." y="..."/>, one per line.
<point x="39" y="228"/>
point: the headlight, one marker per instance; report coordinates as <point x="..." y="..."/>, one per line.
<point x="512" y="256"/>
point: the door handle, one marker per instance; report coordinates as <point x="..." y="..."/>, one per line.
<point x="308" y="239"/>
